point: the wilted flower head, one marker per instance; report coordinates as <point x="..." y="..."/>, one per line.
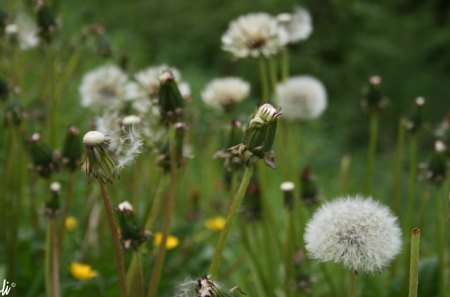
<point x="302" y="97"/>
<point x="104" y="87"/>
<point x="298" y="24"/>
<point x="415" y="120"/>
<point x="374" y="99"/>
<point x="24" y="31"/>
<point x="132" y="233"/>
<point x="357" y="232"/>
<point x="98" y="162"/>
<point x="435" y="170"/>
<point x="204" y="287"/>
<point x="254" y="35"/>
<point x="224" y="93"/>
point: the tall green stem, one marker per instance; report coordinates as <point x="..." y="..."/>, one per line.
<point x="289" y="252"/>
<point x="373" y="135"/>
<point x="411" y="181"/>
<point x="398" y="165"/>
<point x="285" y="64"/>
<point x="116" y="241"/>
<point x="231" y="214"/>
<point x="264" y="80"/>
<point x="273" y="76"/>
<point x="354" y="278"/>
<point x="66" y="209"/>
<point x="414" y="263"/>
<point x="156" y="273"/>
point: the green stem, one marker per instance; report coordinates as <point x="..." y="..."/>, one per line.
<point x="354" y="278"/>
<point x="54" y="100"/>
<point x="264" y="80"/>
<point x="157" y="269"/>
<point x="398" y="166"/>
<point x="411" y="181"/>
<point x="54" y="259"/>
<point x="329" y="279"/>
<point x="289" y="253"/>
<point x="48" y="261"/>
<point x="414" y="263"/>
<point x="65" y="212"/>
<point x="440" y="236"/>
<point x="371" y="152"/>
<point x="231" y="214"/>
<point x="343" y="173"/>
<point x="285" y="64"/>
<point x="116" y="240"/>
<point x="273" y="76"/>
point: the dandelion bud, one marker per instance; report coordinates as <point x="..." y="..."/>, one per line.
<point x="4" y="90"/>
<point x="41" y="156"/>
<point x="13" y="113"/>
<point x="436" y="169"/>
<point x="52" y="205"/>
<point x="309" y="190"/>
<point x="415" y="120"/>
<point x="374" y="99"/>
<point x="287" y="188"/>
<point x="171" y="101"/>
<point x="73" y="148"/>
<point x="133" y="235"/>
<point x="359" y="233"/>
<point x="46" y="22"/>
<point x="4" y="19"/>
<point x="97" y="161"/>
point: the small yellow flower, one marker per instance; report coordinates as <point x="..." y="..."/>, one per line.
<point x="82" y="271"/>
<point x="215" y="223"/>
<point x="70" y="223"/>
<point x="171" y="242"/>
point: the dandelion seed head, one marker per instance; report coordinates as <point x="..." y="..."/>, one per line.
<point x="224" y="92"/>
<point x="298" y="25"/>
<point x="420" y="101"/>
<point x="55" y="187"/>
<point x="125" y="206"/>
<point x="302" y="97"/>
<point x="24" y="30"/>
<point x="359" y="233"/>
<point x="287" y="186"/>
<point x="254" y="35"/>
<point x="131" y="120"/>
<point x="439" y="146"/>
<point x="93" y="138"/>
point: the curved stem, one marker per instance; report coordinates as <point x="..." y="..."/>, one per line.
<point x="116" y="241"/>
<point x="231" y="214"/>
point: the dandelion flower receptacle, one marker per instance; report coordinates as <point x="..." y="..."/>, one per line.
<point x="357" y="232"/>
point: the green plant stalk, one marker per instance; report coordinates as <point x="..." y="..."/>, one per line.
<point x="54" y="100"/>
<point x="48" y="261"/>
<point x="285" y="64"/>
<point x="398" y="166"/>
<point x="65" y="212"/>
<point x="52" y="260"/>
<point x="329" y="279"/>
<point x="273" y="76"/>
<point x="289" y="252"/>
<point x="343" y="174"/>
<point x="440" y="236"/>
<point x="116" y="240"/>
<point x="354" y="278"/>
<point x="264" y="80"/>
<point x="157" y="269"/>
<point x="238" y="197"/>
<point x="414" y="263"/>
<point x="373" y="136"/>
<point x="411" y="181"/>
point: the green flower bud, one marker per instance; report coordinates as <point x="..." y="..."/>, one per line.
<point x="52" y="205"/>
<point x="309" y="191"/>
<point x="13" y="113"/>
<point x="97" y="161"/>
<point x="41" y="156"/>
<point x="415" y="121"/>
<point x="4" y="90"/>
<point x="4" y="19"/>
<point x="171" y="101"/>
<point x="437" y="167"/>
<point x="73" y="148"/>
<point x="132" y="233"/>
<point x="46" y="22"/>
<point x="374" y="99"/>
<point x="287" y="188"/>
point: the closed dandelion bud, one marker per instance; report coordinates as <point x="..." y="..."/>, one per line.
<point x="73" y="148"/>
<point x="171" y="101"/>
<point x="287" y="188"/>
<point x="41" y="156"/>
<point x="13" y="113"/>
<point x="437" y="166"/>
<point x="4" y="90"/>
<point x="4" y="19"/>
<point x="415" y="121"/>
<point x="46" y="22"/>
<point x="309" y="189"/>
<point x="374" y="99"/>
<point x="97" y="161"/>
<point x="52" y="205"/>
<point x="132" y="233"/>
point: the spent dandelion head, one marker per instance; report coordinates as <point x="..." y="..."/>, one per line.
<point x="287" y="188"/>
<point x="42" y="157"/>
<point x="309" y="191"/>
<point x="435" y="170"/>
<point x="225" y="93"/>
<point x="415" y="120"/>
<point x="373" y="98"/>
<point x="302" y="98"/>
<point x="132" y="233"/>
<point x="72" y="149"/>
<point x="254" y="35"/>
<point x="13" y="113"/>
<point x="357" y="232"/>
<point x="298" y="24"/>
<point x="52" y="205"/>
<point x="97" y="160"/>
<point x="23" y="31"/>
<point x="46" y="21"/>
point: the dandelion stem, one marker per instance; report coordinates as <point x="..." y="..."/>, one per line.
<point x="273" y="75"/>
<point x="156" y="273"/>
<point x="414" y="263"/>
<point x="398" y="165"/>
<point x="411" y="181"/>
<point x="65" y="212"/>
<point x="373" y="135"/>
<point x="440" y="236"/>
<point x="354" y="278"/>
<point x="115" y="236"/>
<point x="285" y="64"/>
<point x="264" y="80"/>
<point x="231" y="214"/>
<point x="289" y="252"/>
<point x="54" y="264"/>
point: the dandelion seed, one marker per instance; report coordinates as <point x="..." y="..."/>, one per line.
<point x="359" y="233"/>
<point x="254" y="35"/>
<point x="82" y="271"/>
<point x="302" y="97"/>
<point x="225" y="93"/>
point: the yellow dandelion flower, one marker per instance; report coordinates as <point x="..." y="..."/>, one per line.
<point x="82" y="271"/>
<point x="70" y="223"/>
<point x="171" y="242"/>
<point x="215" y="223"/>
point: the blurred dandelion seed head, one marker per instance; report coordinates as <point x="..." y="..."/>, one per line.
<point x="224" y="93"/>
<point x="357" y="232"/>
<point x="125" y="206"/>
<point x="298" y="24"/>
<point x="23" y="30"/>
<point x="302" y="97"/>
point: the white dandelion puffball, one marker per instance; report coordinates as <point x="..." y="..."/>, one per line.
<point x="24" y="30"/>
<point x="298" y="24"/>
<point x="302" y="97"/>
<point x="254" y="35"/>
<point x="224" y="92"/>
<point x="104" y="87"/>
<point x="357" y="232"/>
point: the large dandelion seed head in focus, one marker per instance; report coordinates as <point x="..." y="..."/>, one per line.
<point x="254" y="35"/>
<point x="302" y="97"/>
<point x="357" y="232"/>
